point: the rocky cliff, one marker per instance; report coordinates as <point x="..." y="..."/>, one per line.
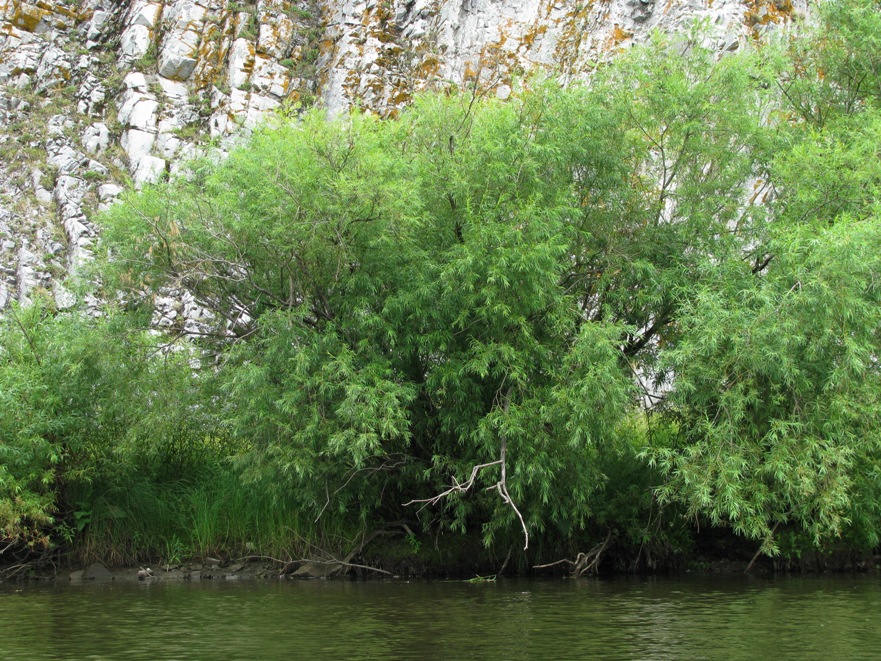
<point x="100" y="95"/>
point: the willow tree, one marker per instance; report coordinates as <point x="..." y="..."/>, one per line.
<point x="777" y="383"/>
<point x="448" y="309"/>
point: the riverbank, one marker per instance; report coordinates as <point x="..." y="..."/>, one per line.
<point x="262" y="568"/>
<point x="399" y="551"/>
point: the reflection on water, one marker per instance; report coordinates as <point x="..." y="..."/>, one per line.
<point x="657" y="618"/>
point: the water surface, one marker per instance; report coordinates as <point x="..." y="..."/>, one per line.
<point x="837" y="617"/>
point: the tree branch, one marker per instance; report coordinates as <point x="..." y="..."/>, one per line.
<point x="501" y="486"/>
<point x="584" y="562"/>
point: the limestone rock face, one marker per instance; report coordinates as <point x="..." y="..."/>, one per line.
<point x="97" y="96"/>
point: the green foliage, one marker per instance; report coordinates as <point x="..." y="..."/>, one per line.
<point x="135" y="516"/>
<point x="81" y="399"/>
<point x="835" y="69"/>
<point x="403" y="307"/>
<point x="777" y="386"/>
<point x="477" y="280"/>
<point x="149" y="60"/>
<point x="391" y="305"/>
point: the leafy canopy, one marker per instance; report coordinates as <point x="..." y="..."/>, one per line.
<point x="666" y="278"/>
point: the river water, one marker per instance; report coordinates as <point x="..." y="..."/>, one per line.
<point x="826" y="617"/>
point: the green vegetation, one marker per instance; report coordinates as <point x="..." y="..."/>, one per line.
<point x="488" y="295"/>
<point x="149" y="60"/>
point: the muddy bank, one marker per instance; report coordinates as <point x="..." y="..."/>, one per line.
<point x="443" y="557"/>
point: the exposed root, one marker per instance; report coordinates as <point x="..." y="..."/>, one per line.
<point x="22" y="558"/>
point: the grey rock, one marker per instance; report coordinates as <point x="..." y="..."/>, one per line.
<point x="99" y="17"/>
<point x="43" y="196"/>
<point x="96" y="138"/>
<point x="174" y="89"/>
<point x="135" y="81"/>
<point x="64" y="299"/>
<point x="137" y="144"/>
<point x="108" y="192"/>
<point x="144" y="14"/>
<point x="150" y="169"/>
<point x="177" y="66"/>
<point x="97" y="572"/>
<point x="135" y="41"/>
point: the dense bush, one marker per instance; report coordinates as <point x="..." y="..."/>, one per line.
<point x="496" y="291"/>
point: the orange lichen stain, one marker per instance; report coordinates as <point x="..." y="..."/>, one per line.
<point x="428" y="67"/>
<point x="618" y="36"/>
<point x="27" y="17"/>
<point x="400" y="96"/>
<point x="76" y="12"/>
<point x="763" y="12"/>
<point x="545" y="9"/>
<point x="575" y="27"/>
<point x="531" y="34"/>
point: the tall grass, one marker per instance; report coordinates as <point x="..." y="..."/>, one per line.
<point x="139" y="519"/>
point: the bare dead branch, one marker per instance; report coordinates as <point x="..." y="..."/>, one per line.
<point x="584" y="562"/>
<point x="501" y="486"/>
<point x="457" y="487"/>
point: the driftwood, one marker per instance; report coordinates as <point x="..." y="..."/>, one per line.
<point x="584" y="562"/>
<point x="21" y="558"/>
<point x="326" y="564"/>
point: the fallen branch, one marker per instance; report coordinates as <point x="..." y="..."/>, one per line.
<point x="342" y="563"/>
<point x="584" y="562"/>
<point x="332" y="560"/>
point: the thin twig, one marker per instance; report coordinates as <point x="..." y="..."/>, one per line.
<point x="759" y="551"/>
<point x="505" y="563"/>
<point x="26" y="336"/>
<point x="457" y="487"/>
